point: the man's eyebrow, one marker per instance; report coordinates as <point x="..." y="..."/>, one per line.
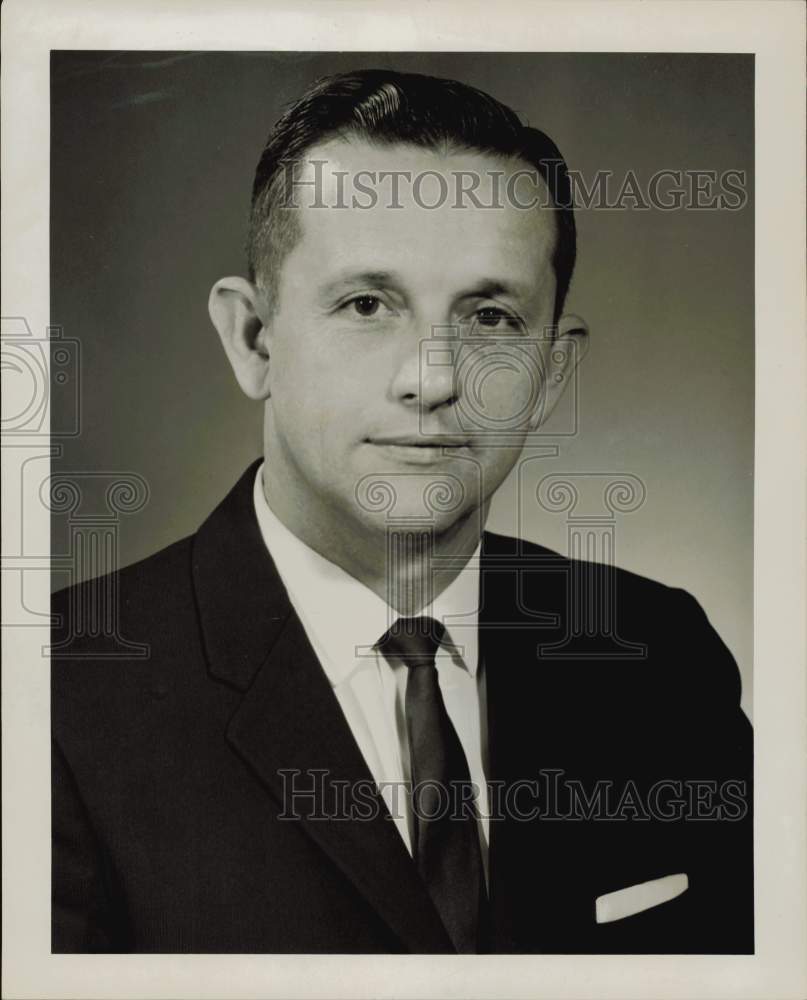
<point x="491" y="288"/>
<point x="358" y="279"/>
<point x="483" y="288"/>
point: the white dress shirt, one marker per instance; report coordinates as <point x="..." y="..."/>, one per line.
<point x="344" y="620"/>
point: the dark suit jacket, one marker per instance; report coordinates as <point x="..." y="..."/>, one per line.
<point x="167" y="796"/>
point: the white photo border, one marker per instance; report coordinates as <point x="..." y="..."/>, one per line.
<point x="771" y="29"/>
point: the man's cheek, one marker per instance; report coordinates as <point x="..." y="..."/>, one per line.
<point x="497" y="394"/>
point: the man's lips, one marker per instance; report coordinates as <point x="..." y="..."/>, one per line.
<point x="421" y="441"/>
<point x="420" y="449"/>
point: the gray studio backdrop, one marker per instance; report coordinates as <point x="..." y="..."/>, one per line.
<point x="152" y="159"/>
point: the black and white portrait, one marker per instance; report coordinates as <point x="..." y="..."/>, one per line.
<point x="451" y="738"/>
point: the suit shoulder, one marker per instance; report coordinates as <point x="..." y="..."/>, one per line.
<point x="527" y="553"/>
<point x="127" y="658"/>
<point x="639" y="605"/>
<point x="116" y="628"/>
<point x="655" y="631"/>
<point x="142" y="580"/>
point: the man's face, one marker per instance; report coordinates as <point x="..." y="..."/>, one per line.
<point x="406" y="344"/>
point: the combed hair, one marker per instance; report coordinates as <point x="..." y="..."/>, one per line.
<point x="386" y="107"/>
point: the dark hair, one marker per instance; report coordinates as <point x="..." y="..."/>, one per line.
<point x="384" y="106"/>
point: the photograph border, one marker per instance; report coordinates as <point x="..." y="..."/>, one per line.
<point x="774" y="31"/>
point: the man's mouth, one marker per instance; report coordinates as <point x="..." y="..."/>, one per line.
<point x="421" y="449"/>
<point x="421" y="441"/>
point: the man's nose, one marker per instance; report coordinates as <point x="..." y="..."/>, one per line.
<point x="425" y="376"/>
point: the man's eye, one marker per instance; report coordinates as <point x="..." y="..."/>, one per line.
<point x="364" y="305"/>
<point x="491" y="318"/>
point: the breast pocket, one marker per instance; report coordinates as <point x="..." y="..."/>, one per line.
<point x="637" y="898"/>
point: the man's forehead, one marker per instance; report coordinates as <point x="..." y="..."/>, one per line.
<point x="448" y="202"/>
<point x="342" y="159"/>
<point x="359" y="152"/>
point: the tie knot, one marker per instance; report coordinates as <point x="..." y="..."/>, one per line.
<point x="413" y="640"/>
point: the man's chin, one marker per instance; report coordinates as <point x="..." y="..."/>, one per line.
<point x="433" y="499"/>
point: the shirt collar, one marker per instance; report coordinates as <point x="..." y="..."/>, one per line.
<point x="342" y="617"/>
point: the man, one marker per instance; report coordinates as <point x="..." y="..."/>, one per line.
<point x="366" y="724"/>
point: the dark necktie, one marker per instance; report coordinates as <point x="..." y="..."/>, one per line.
<point x="446" y="844"/>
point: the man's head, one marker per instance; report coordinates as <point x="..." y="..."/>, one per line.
<point x="402" y="337"/>
<point x="383" y="107"/>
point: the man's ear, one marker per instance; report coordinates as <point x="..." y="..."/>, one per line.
<point x="238" y="310"/>
<point x="567" y="349"/>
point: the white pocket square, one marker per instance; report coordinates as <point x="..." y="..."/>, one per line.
<point x="635" y="898"/>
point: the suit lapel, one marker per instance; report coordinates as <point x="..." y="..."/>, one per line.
<point x="289" y="719"/>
